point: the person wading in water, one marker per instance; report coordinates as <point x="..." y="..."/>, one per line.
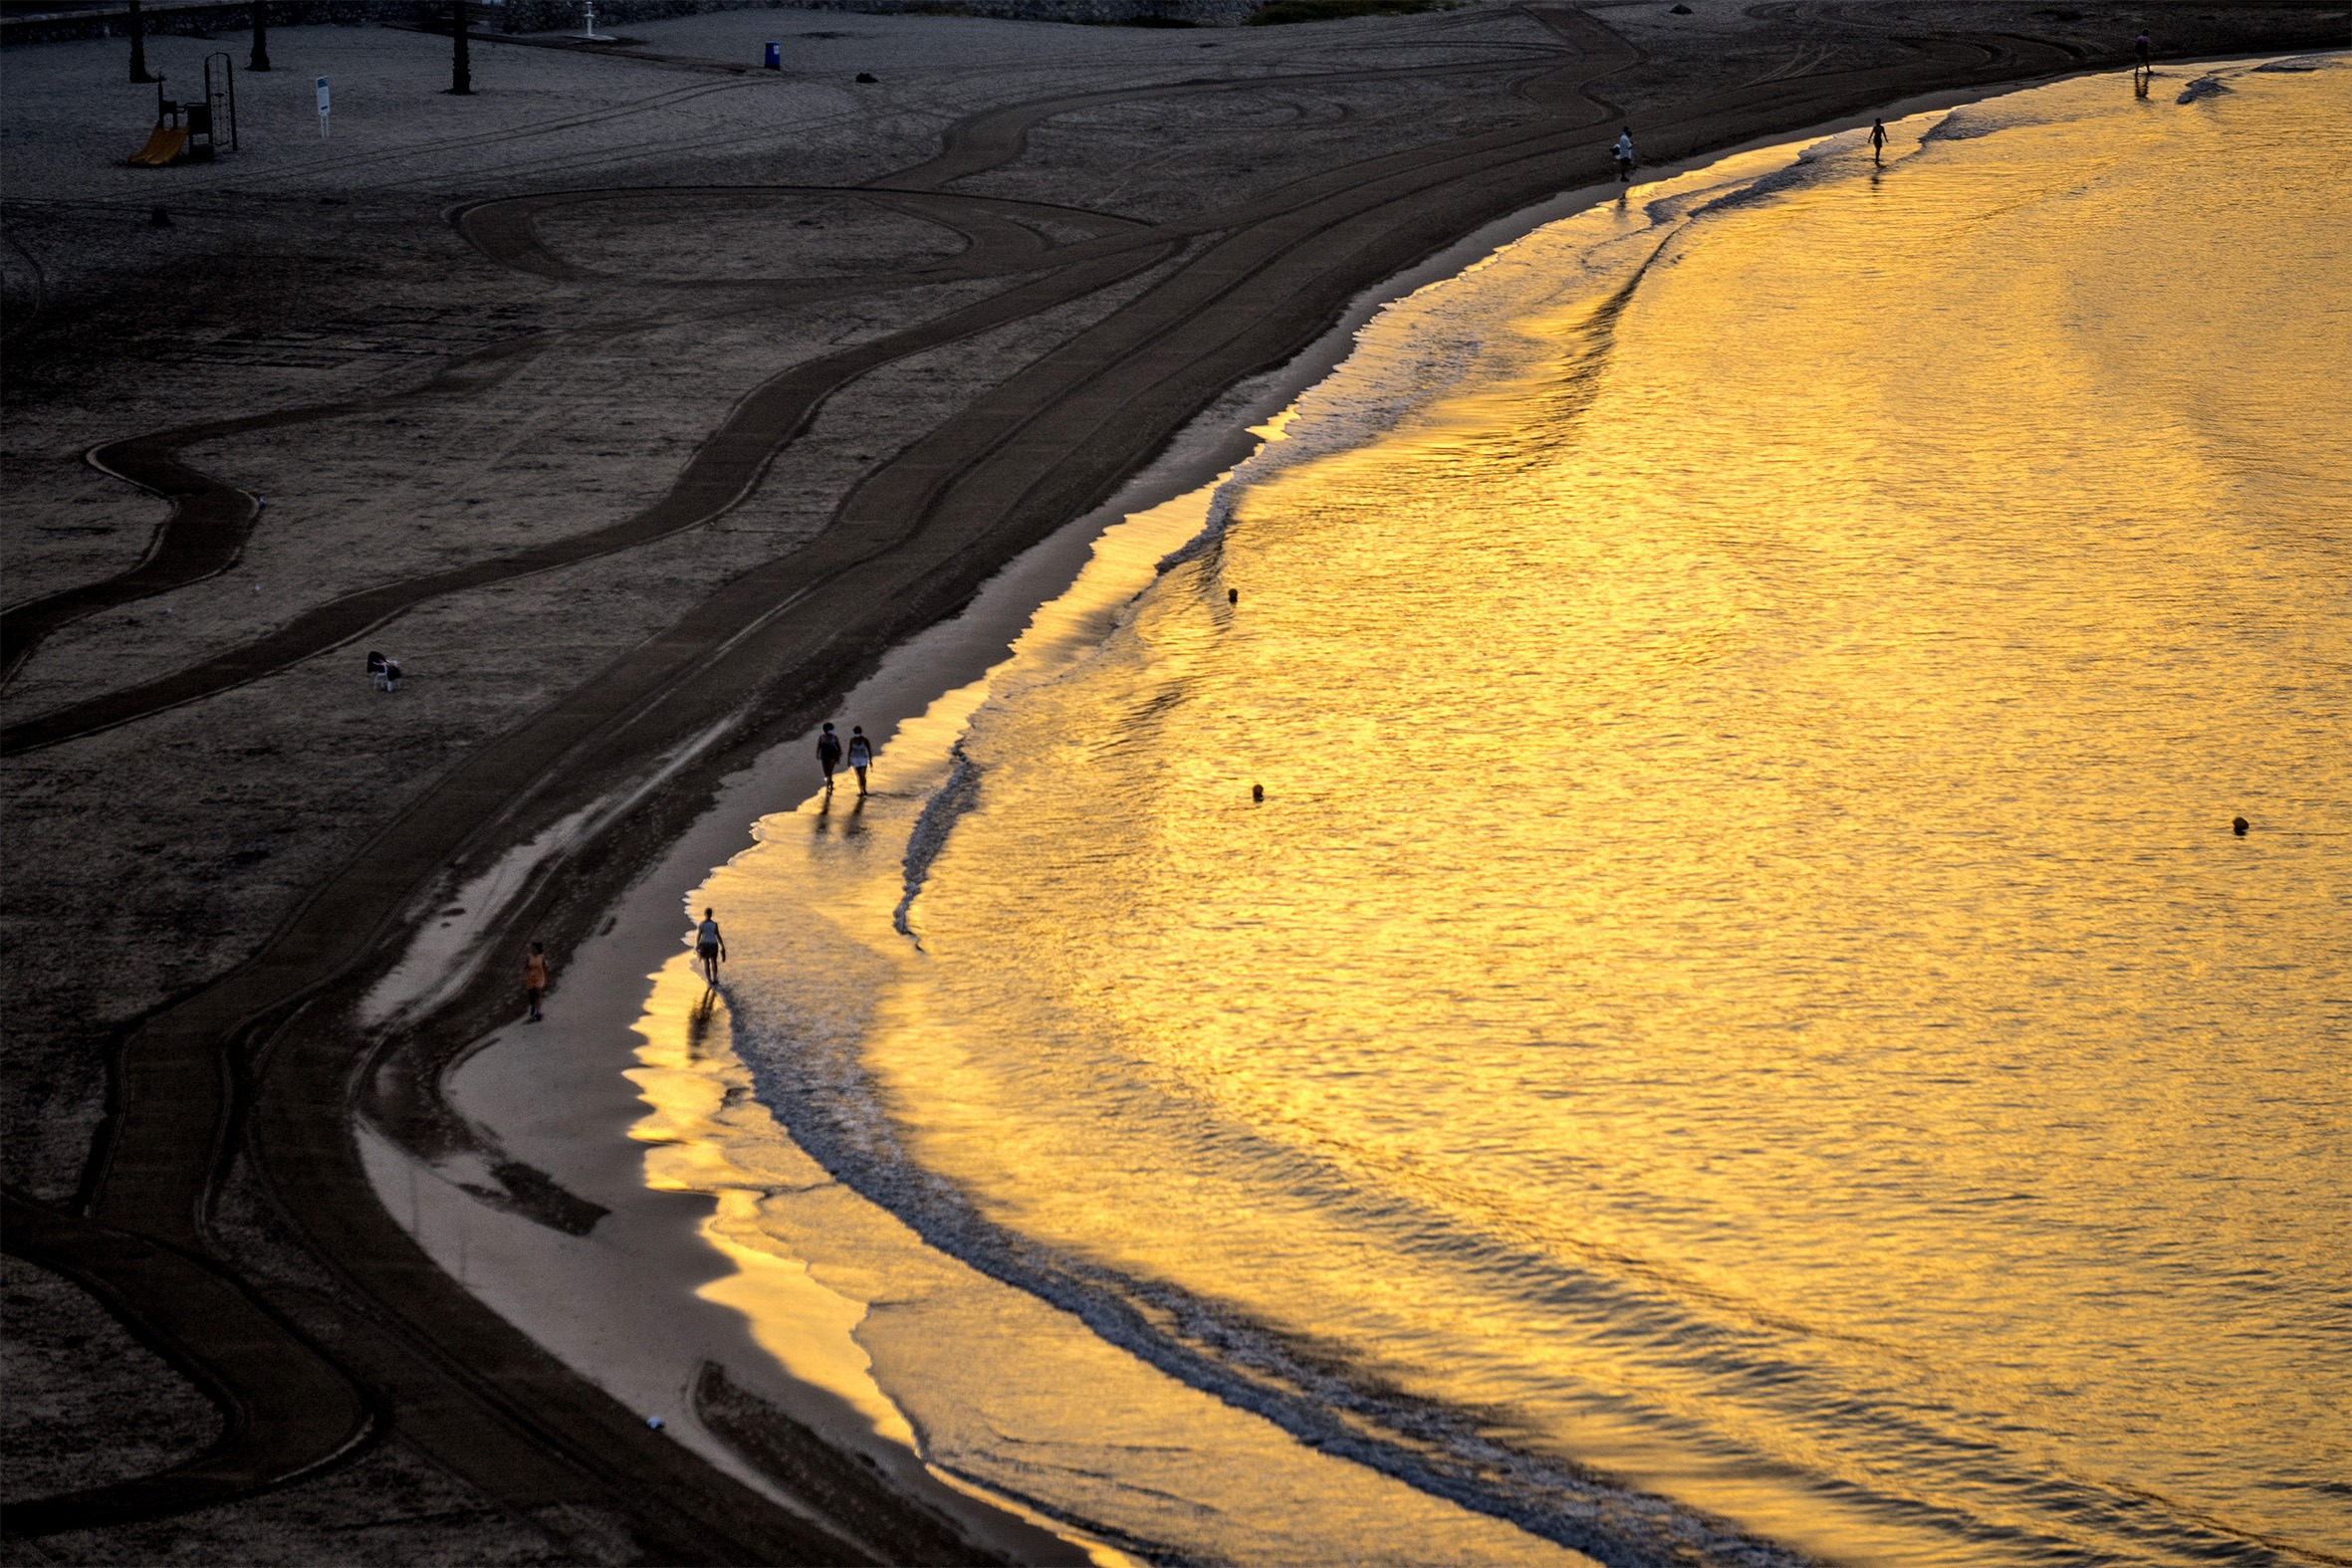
<point x="1878" y="141"/>
<point x="710" y="947"/>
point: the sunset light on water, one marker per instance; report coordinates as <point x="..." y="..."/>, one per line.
<point x="1741" y="978"/>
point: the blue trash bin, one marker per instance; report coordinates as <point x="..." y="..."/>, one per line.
<point x="775" y="56"/>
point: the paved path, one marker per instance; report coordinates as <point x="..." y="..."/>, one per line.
<point x="400" y="1341"/>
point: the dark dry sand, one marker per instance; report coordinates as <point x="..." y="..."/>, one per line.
<point x="598" y="398"/>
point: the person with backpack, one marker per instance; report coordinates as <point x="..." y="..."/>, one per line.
<point x="828" y="755"/>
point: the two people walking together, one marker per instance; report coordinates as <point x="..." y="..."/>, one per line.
<point x="830" y="755"/>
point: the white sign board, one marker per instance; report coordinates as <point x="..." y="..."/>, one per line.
<point x="322" y="81"/>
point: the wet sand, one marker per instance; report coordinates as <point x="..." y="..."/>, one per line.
<point x="596" y="703"/>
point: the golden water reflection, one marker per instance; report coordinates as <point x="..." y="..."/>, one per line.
<point x="1742" y="974"/>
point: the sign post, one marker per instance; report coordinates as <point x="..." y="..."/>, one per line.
<point x="322" y="84"/>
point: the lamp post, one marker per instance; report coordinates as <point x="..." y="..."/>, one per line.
<point x="461" y="64"/>
<point x="259" y="58"/>
<point x="138" y="47"/>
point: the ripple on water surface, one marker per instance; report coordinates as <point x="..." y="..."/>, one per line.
<point x="1740" y="976"/>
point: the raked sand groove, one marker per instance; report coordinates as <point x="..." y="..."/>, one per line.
<point x="719" y="476"/>
<point x="268" y="1056"/>
<point x="211" y="519"/>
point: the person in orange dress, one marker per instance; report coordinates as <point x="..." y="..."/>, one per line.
<point x="534" y="978"/>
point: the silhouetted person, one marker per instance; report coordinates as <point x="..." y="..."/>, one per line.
<point x="534" y="978"/>
<point x="1233" y="595"/>
<point x="862" y="755"/>
<point x="2140" y="46"/>
<point x="710" y="947"/>
<point x="1623" y="153"/>
<point x="1878" y="141"/>
<point x="828" y="754"/>
<point x="2239" y="826"/>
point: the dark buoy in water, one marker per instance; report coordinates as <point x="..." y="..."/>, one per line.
<point x="1233" y="595"/>
<point x="1257" y="792"/>
<point x="867" y="76"/>
<point x="157" y="218"/>
<point x="2239" y="826"/>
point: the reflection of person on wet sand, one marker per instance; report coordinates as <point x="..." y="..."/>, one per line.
<point x="828" y="755"/>
<point x="534" y="979"/>
<point x="1878" y="141"/>
<point x="710" y="947"/>
<point x="862" y="755"/>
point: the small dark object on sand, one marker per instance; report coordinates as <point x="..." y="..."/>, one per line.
<point x="1679" y="10"/>
<point x="1233" y="595"/>
<point x="1257" y="792"/>
<point x="157" y="218"/>
<point x="867" y="76"/>
<point x="2239" y="826"/>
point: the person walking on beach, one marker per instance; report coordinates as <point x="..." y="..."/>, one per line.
<point x="828" y="755"/>
<point x="2141" y="48"/>
<point x="1878" y="141"/>
<point x="710" y="947"/>
<point x="1623" y="153"/>
<point x="862" y="755"/>
<point x="534" y="979"/>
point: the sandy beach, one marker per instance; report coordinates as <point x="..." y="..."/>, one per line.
<point x="645" y="408"/>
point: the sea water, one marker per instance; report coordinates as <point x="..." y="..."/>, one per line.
<point x="1741" y="1011"/>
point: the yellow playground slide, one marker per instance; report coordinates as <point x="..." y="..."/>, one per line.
<point x="164" y="146"/>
